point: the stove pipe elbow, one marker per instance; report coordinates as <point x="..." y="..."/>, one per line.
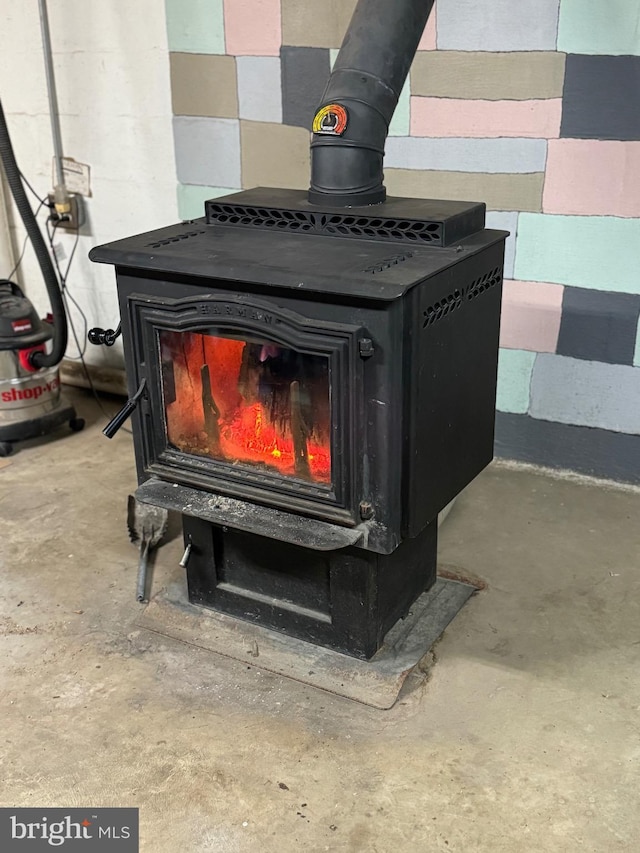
<point x="351" y="125"/>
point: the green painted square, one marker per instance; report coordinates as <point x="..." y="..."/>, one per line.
<point x="191" y="199"/>
<point x="195" y="26"/>
<point x="400" y="123"/>
<point x="515" y="367"/>
<point x="600" y="252"/>
<point x="636" y="357"/>
<point x="591" y="26"/>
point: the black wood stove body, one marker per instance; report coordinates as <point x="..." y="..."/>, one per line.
<point x="316" y="385"/>
<point x="315" y="374"/>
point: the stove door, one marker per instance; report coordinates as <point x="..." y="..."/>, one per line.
<point x="247" y="400"/>
<point x="250" y="401"/>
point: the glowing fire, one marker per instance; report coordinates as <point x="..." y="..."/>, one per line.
<point x="242" y="405"/>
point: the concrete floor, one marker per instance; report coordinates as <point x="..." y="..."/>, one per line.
<point x="522" y="736"/>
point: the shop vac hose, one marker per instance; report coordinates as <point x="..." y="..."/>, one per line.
<point x="60" y="337"/>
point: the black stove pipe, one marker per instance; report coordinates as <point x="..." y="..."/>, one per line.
<point x="352" y="122"/>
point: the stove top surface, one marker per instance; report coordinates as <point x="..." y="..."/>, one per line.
<point x="312" y="262"/>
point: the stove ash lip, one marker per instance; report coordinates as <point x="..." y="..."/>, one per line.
<point x="262" y="520"/>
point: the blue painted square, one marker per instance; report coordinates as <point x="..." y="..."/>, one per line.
<point x="462" y="154"/>
<point x="488" y="25"/>
<point x="207" y="151"/>
<point x="598" y="325"/>
<point x="586" y="393"/>
<point x="259" y="88"/>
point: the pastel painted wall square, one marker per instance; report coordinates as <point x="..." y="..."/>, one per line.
<point x="309" y="23"/>
<point x="400" y="124"/>
<point x="601" y="97"/>
<point x="495" y="76"/>
<point x="428" y="40"/>
<point x="505" y="220"/>
<point x="252" y="27"/>
<point x="191" y="199"/>
<point x="466" y="155"/>
<point x="586" y="393"/>
<point x="207" y="151"/>
<point x="305" y="71"/>
<point x="499" y="191"/>
<point x="591" y="26"/>
<point x="598" y="252"/>
<point x="592" y="177"/>
<point x="531" y="312"/>
<point x="514" y="379"/>
<point x="274" y="155"/>
<point x="497" y="24"/>
<point x="539" y="119"/>
<point x="195" y="26"/>
<point x="203" y="85"/>
<point x="598" y="325"/>
<point x="259" y="88"/>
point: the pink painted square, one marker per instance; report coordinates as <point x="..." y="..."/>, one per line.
<point x="592" y="177"/>
<point x="428" y="40"/>
<point x="252" y="27"/>
<point x="538" y="119"/>
<point x="531" y="312"/>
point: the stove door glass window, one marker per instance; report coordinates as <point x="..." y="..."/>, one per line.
<point x="250" y="401"/>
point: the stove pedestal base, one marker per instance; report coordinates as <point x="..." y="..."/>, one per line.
<point x="346" y="600"/>
<point x="376" y="682"/>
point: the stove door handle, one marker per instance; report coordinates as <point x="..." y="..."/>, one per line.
<point x="125" y="412"/>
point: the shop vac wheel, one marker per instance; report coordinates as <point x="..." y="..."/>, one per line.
<point x="6" y="448"/>
<point x="76" y="424"/>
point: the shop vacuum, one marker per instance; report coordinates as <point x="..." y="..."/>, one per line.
<point x="31" y="403"/>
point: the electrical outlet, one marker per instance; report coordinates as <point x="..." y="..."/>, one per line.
<point x="72" y="220"/>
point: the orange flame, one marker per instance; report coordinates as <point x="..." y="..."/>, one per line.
<point x="245" y="432"/>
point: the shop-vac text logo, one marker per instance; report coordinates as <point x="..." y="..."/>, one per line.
<point x="31" y="392"/>
<point x="78" y="830"/>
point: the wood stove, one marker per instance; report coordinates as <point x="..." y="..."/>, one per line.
<point x="313" y="382"/>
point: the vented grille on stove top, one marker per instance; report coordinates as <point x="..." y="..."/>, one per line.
<point x="334" y="224"/>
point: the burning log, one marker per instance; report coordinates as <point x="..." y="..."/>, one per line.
<point x="299" y="433"/>
<point x="211" y="411"/>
